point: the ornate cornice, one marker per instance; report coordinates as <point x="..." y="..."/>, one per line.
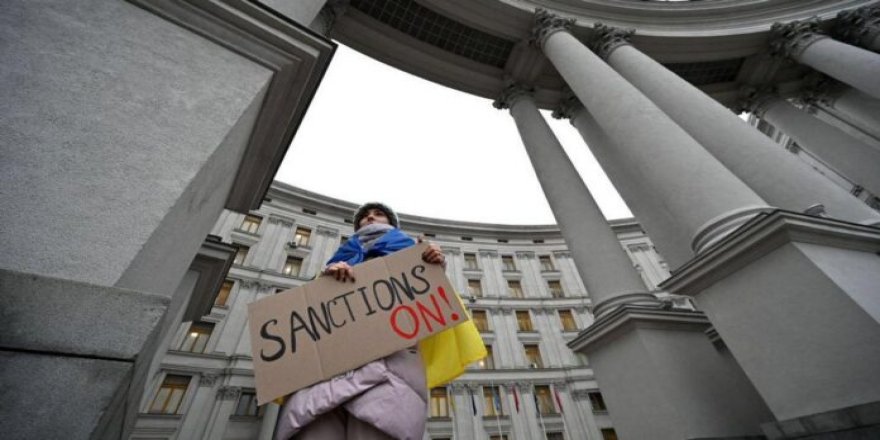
<point x="607" y="38"/>
<point x="547" y="24"/>
<point x="227" y="392"/>
<point x="511" y="94"/>
<point x="858" y="26"/>
<point x="789" y="40"/>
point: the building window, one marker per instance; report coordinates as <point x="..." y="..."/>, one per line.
<point x="292" y="267"/>
<point x="480" y="321"/>
<point x="492" y="401"/>
<point x="515" y="289"/>
<point x="533" y="355"/>
<point x="223" y="294"/>
<point x="555" y="436"/>
<point x="439" y="402"/>
<point x="467" y="238"/>
<point x="524" y="321"/>
<point x="475" y="288"/>
<point x="567" y="320"/>
<point x="470" y="262"/>
<point x="556" y="289"/>
<point x="544" y="399"/>
<point x="247" y="405"/>
<point x="488" y="363"/>
<point x="170" y="395"/>
<point x="597" y="402"/>
<point x="302" y="237"/>
<point x="546" y="263"/>
<point x="250" y="224"/>
<point x="310" y="211"/>
<point x="241" y="255"/>
<point x="197" y="337"/>
<point x="609" y="434"/>
<point x="508" y="263"/>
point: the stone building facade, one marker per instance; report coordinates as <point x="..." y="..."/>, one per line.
<point x="519" y="283"/>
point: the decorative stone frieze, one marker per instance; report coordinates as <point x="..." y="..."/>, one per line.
<point x="788" y="40"/>
<point x="547" y="24"/>
<point x="511" y="94"/>
<point x="607" y="38"/>
<point x="857" y="26"/>
<point x="227" y="392"/>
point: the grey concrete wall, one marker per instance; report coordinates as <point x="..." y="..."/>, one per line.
<point x="109" y="114"/>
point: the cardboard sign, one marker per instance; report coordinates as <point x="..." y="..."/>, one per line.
<point x="311" y="333"/>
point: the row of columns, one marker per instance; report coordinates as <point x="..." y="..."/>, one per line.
<point x="690" y="169"/>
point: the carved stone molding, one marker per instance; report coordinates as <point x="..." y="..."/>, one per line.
<point x="450" y="250"/>
<point x="329" y="232"/>
<point x="488" y="253"/>
<point x="562" y="254"/>
<point x="858" y="26"/>
<point x="512" y="93"/>
<point x="457" y="387"/>
<point x="249" y="284"/>
<point x="505" y="309"/>
<point x="638" y="247"/>
<point x="208" y="380"/>
<point x="286" y="222"/>
<point x="547" y="24"/>
<point x="820" y="89"/>
<point x="228" y="393"/>
<point x="525" y="255"/>
<point x="608" y="38"/>
<point x="580" y="394"/>
<point x="788" y="40"/>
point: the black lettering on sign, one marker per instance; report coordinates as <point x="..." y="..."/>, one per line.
<point x="297" y="324"/>
<point x="264" y="332"/>
<point x="419" y="269"/>
<point x="390" y="292"/>
<point x="363" y="292"/>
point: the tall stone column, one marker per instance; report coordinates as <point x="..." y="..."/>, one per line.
<point x="196" y="419"/>
<point x="860" y="27"/>
<point x="803" y="42"/>
<point x="603" y="265"/>
<point x="652" y="216"/>
<point x="708" y="200"/>
<point x="847" y="155"/>
<point x="270" y="418"/>
<point x="775" y="175"/>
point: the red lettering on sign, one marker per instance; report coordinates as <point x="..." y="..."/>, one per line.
<point x="396" y="325"/>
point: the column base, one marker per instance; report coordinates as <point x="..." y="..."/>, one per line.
<point x="69" y="350"/>
<point x="858" y="422"/>
<point x="662" y="378"/>
<point x="795" y="299"/>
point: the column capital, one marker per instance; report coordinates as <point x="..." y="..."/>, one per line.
<point x="819" y="89"/>
<point x="488" y="253"/>
<point x="567" y="107"/>
<point x="607" y="38"/>
<point x="228" y="393"/>
<point x="324" y="230"/>
<point x="512" y="93"/>
<point x="856" y="26"/>
<point x="547" y="24"/>
<point x="283" y="221"/>
<point x="562" y="254"/>
<point x="525" y="255"/>
<point x="754" y="99"/>
<point x="788" y="40"/>
<point x="450" y="250"/>
<point x="580" y="394"/>
<point x="208" y="379"/>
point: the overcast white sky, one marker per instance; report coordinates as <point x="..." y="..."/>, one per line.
<point x="377" y="133"/>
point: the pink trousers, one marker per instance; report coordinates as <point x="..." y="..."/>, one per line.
<point x="339" y="424"/>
